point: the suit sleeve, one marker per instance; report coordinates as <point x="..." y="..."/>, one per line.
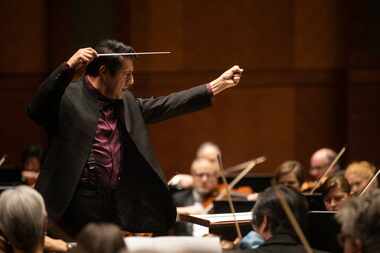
<point x="156" y="109"/>
<point x="44" y="106"/>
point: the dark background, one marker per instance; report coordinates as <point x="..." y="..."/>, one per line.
<point x="311" y="77"/>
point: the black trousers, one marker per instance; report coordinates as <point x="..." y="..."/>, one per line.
<point x="90" y="204"/>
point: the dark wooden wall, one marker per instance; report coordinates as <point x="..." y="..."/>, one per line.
<point x="301" y="88"/>
<point x="291" y="98"/>
<point x="363" y="93"/>
<point x="23" y="62"/>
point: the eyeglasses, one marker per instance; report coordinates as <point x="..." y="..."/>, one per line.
<point x="200" y="175"/>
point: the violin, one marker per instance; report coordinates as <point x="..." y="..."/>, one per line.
<point x="314" y="185"/>
<point x="221" y="192"/>
<point x="308" y="186"/>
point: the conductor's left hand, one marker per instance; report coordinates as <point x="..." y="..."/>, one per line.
<point x="228" y="79"/>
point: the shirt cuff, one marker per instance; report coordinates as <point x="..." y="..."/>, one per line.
<point x="210" y="89"/>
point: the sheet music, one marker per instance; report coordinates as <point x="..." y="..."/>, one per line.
<point x="217" y="219"/>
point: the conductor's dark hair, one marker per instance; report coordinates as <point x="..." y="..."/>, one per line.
<point x="112" y="63"/>
<point x="269" y="205"/>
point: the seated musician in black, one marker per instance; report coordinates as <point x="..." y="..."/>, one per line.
<point x="272" y="224"/>
<point x="206" y="150"/>
<point x="195" y="200"/>
<point x="290" y="173"/>
<point x="335" y="191"/>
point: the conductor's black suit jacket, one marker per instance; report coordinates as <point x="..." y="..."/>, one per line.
<point x="70" y="114"/>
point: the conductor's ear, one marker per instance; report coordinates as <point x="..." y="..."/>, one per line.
<point x="102" y="70"/>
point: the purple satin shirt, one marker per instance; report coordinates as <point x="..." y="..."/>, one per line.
<point x="104" y="163"/>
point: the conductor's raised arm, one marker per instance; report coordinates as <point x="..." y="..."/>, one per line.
<point x="45" y="104"/>
<point x="156" y="109"/>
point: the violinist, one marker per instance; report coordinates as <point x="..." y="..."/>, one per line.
<point x="206" y="150"/>
<point x="195" y="200"/>
<point x="210" y="151"/>
<point x="319" y="163"/>
<point x="358" y="175"/>
<point x="290" y="173"/>
<point x="335" y="192"/>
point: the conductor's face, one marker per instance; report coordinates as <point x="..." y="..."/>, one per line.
<point x="121" y="80"/>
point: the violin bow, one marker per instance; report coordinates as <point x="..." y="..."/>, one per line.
<point x="239" y="177"/>
<point x="248" y="168"/>
<point x="232" y="208"/>
<point x="238" y="167"/>
<point x="370" y="183"/>
<point x="292" y="219"/>
<point x="328" y="169"/>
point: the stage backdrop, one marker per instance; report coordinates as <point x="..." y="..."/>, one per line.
<point x="303" y="87"/>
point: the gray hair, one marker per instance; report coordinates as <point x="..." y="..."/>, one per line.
<point x="360" y="218"/>
<point x="22" y="217"/>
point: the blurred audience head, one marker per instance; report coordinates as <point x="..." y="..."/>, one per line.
<point x="23" y="218"/>
<point x="290" y="173"/>
<point x="100" y="238"/>
<point x="360" y="220"/>
<point x="358" y="175"/>
<point x="209" y="151"/>
<point x="269" y="218"/>
<point x="335" y="191"/>
<point x="205" y="176"/>
<point x="320" y="161"/>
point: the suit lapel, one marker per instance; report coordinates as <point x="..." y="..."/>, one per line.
<point x="127" y="113"/>
<point x="93" y="113"/>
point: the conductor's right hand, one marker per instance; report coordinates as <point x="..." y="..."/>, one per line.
<point x="82" y="58"/>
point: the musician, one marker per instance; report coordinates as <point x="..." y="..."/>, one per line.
<point x="206" y="150"/>
<point x="335" y="191"/>
<point x="31" y="159"/>
<point x="23" y="223"/>
<point x="271" y="223"/>
<point x="193" y="201"/>
<point x="100" y="165"/>
<point x="290" y="173"/>
<point x="360" y="224"/>
<point x="209" y="151"/>
<point x="358" y="175"/>
<point x="319" y="163"/>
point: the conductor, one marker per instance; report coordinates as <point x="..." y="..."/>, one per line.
<point x="100" y="165"/>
